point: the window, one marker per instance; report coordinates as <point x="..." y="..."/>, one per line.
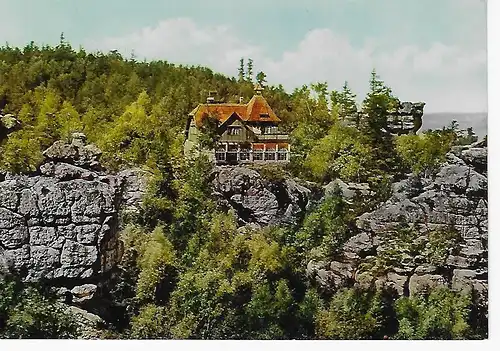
<point x="264" y="115"/>
<point x="258" y="156"/>
<point x="270" y="156"/>
<point x="221" y="148"/>
<point x="220" y="156"/>
<point x="244" y="156"/>
<point x="282" y="156"/>
<point x="234" y="130"/>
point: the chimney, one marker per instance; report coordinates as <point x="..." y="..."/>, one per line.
<point x="211" y="97"/>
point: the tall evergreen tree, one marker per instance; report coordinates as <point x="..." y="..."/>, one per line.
<point x="377" y="105"/>
<point x="250" y="70"/>
<point x="241" y="70"/>
<point x="348" y="110"/>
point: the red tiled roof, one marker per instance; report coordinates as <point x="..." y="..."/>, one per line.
<point x="257" y="107"/>
<point x="256" y="110"/>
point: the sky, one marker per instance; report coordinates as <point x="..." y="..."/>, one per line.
<point x="425" y="50"/>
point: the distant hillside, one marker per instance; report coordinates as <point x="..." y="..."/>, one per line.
<point x="478" y="121"/>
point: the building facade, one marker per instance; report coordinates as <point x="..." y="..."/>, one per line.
<point x="245" y="133"/>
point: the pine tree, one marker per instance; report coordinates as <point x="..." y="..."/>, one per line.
<point x="250" y="70"/>
<point x="261" y="78"/>
<point x="348" y="110"/>
<point x="377" y="105"/>
<point x="241" y="70"/>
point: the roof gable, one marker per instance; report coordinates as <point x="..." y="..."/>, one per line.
<point x="257" y="110"/>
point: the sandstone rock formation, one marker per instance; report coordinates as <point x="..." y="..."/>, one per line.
<point x="61" y="224"/>
<point x="456" y="197"/>
<point x="406" y="119"/>
<point x="260" y="201"/>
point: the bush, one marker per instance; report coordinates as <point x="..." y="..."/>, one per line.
<point x="26" y="312"/>
<point x="442" y="314"/>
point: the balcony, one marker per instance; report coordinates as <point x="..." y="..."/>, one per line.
<point x="248" y="156"/>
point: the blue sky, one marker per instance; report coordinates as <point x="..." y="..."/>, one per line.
<point x="430" y="50"/>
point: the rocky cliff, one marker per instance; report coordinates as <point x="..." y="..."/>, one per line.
<point x="260" y="201"/>
<point x="61" y="224"/>
<point x="431" y="232"/>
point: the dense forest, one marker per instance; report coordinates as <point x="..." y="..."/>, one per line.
<point x="187" y="272"/>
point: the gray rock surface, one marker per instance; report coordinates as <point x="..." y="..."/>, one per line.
<point x="407" y="118"/>
<point x="62" y="223"/>
<point x="349" y="191"/>
<point x="456" y="197"/>
<point x="259" y="201"/>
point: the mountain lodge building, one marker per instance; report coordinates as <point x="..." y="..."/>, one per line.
<point x="247" y="133"/>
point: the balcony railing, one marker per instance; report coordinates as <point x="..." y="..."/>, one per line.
<point x="268" y="137"/>
<point x="245" y="156"/>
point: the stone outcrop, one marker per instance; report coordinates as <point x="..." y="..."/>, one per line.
<point x="406" y="119"/>
<point x="259" y="201"/>
<point x="61" y="224"/>
<point x="455" y="198"/>
<point x="349" y="191"/>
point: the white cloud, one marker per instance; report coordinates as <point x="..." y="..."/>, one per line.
<point x="448" y="78"/>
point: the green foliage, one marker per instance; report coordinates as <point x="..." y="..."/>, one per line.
<point x="340" y="154"/>
<point x="261" y="78"/>
<point x="209" y="133"/>
<point x="187" y="271"/>
<point x="151" y="323"/>
<point x="237" y="285"/>
<point x="134" y="111"/>
<point x="377" y="105"/>
<point x="325" y="228"/>
<point x="423" y="154"/>
<point x="346" y="101"/>
<point x="441" y="315"/>
<point x="28" y="313"/>
<point x="156" y="258"/>
<point x="356" y="314"/>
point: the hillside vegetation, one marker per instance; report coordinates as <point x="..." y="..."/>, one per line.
<point x="187" y="271"/>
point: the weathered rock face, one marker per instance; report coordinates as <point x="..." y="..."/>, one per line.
<point x="61" y="224"/>
<point x="456" y="197"/>
<point x="407" y="118"/>
<point x="258" y="201"/>
<point x="349" y="191"/>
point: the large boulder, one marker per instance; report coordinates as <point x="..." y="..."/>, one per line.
<point x="258" y="200"/>
<point x="62" y="223"/>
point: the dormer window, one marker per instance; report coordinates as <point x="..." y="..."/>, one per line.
<point x="234" y="130"/>
<point x="264" y="115"/>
